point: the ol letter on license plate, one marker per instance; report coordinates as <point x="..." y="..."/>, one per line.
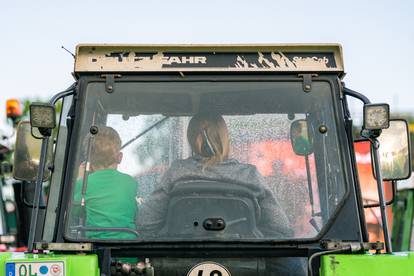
<point x="35" y="269"/>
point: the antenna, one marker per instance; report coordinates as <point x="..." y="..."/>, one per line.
<point x="63" y="47"/>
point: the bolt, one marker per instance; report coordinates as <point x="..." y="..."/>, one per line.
<point x="94" y="130"/>
<point x="323" y="129"/>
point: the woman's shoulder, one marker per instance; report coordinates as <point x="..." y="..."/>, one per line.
<point x="178" y="169"/>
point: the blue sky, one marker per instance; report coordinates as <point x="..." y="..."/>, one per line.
<point x="377" y="37"/>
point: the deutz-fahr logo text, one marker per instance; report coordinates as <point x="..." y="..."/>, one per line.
<point x="159" y="59"/>
<point x="184" y="60"/>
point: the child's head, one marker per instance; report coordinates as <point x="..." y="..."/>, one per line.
<point x="105" y="148"/>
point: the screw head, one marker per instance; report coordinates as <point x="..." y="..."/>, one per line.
<point x="208" y="223"/>
<point x="220" y="223"/>
<point x="94" y="130"/>
<point x="323" y="129"/>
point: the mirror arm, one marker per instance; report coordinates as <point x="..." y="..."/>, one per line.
<point x="357" y="95"/>
<point x="69" y="91"/>
<point x="36" y="200"/>
<point x="384" y="219"/>
<point x="27" y="204"/>
<point x="389" y="202"/>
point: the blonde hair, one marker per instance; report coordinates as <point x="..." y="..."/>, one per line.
<point x="216" y="133"/>
<point x="105" y="147"/>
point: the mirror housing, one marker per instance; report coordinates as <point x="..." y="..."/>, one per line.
<point x="395" y="151"/>
<point x="27" y="154"/>
<point x="300" y="137"/>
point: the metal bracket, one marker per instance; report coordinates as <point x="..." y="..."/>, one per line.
<point x="307" y="81"/>
<point x="110" y="81"/>
<point x="352" y="246"/>
<point x="64" y="246"/>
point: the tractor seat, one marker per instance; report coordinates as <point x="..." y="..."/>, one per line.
<point x="212" y="209"/>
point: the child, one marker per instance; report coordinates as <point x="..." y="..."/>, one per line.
<point x="109" y="200"/>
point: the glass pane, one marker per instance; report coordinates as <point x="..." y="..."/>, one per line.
<point x="148" y="168"/>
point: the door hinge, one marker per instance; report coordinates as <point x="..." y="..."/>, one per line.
<point x="110" y="81"/>
<point x="307" y="81"/>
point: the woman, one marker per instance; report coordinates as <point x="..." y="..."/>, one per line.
<point x="209" y="140"/>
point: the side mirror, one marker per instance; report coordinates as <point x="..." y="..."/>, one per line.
<point x="394" y="151"/>
<point x="300" y="138"/>
<point x="27" y="154"/>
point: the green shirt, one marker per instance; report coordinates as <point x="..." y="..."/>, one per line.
<point x="110" y="202"/>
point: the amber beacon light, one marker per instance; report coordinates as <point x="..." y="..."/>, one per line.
<point x="13" y="109"/>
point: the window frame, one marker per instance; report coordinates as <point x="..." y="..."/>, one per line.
<point x="337" y="112"/>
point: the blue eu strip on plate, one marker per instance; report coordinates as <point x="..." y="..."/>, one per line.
<point x="10" y="269"/>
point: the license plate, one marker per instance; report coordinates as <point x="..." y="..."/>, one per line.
<point x="35" y="269"/>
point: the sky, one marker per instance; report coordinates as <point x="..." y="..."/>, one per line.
<point x="377" y="37"/>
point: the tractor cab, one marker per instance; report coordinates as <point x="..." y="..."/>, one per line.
<point x="202" y="160"/>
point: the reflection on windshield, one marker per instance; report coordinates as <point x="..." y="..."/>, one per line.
<point x="219" y="165"/>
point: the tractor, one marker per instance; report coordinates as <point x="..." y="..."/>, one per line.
<point x="288" y="121"/>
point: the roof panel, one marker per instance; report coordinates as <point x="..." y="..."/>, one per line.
<point x="232" y="58"/>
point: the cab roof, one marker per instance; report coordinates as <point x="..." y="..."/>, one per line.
<point x="209" y="58"/>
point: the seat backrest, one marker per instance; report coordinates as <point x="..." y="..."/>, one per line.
<point x="197" y="204"/>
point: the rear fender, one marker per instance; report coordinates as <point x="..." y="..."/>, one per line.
<point x="401" y="263"/>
